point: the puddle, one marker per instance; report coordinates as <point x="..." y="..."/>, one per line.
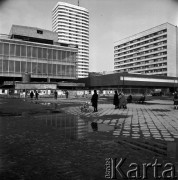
<point x="100" y="127"/>
<point x="72" y="127"/>
<point x="68" y="126"/>
<point x="10" y="114"/>
<point x="161" y="110"/>
<point x="46" y="104"/>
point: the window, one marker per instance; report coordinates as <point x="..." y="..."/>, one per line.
<point x="39" y="32"/>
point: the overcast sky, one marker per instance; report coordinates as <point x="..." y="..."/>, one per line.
<point x="110" y="21"/>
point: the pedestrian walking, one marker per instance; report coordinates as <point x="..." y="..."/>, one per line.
<point x="55" y="95"/>
<point x="36" y="95"/>
<point x="94" y="101"/>
<point x="175" y="100"/>
<point x="122" y="101"/>
<point x="67" y="94"/>
<point x="31" y="95"/>
<point x="116" y="100"/>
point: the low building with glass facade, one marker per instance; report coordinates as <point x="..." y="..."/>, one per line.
<point x="36" y="51"/>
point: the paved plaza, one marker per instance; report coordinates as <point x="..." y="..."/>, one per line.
<point x="155" y="119"/>
<point x="40" y="135"/>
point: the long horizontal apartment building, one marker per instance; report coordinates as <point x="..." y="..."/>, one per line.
<point x="37" y="52"/>
<point x="151" y="52"/>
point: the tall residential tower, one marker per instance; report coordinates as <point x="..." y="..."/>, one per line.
<point x="71" y="22"/>
<point x="152" y="52"/>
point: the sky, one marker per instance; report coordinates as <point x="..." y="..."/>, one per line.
<point x="109" y="21"/>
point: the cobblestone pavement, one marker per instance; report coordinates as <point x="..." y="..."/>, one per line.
<point x="157" y="120"/>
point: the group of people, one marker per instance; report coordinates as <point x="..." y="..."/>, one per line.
<point x="119" y="101"/>
<point x="32" y="94"/>
<point x="175" y="100"/>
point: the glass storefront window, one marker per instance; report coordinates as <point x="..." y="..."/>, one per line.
<point x="6" y="49"/>
<point x="63" y="70"/>
<point x="44" y="69"/>
<point x="1" y="48"/>
<point x="59" y="57"/>
<point x="72" y="56"/>
<point x="23" y="51"/>
<point x="54" y="69"/>
<point x="63" y="56"/>
<point x="58" y="69"/>
<point x="44" y="53"/>
<point x="23" y="67"/>
<point x="34" y="67"/>
<point x="29" y="67"/>
<point x="68" y="56"/>
<point x="34" y="52"/>
<point x="50" y="51"/>
<point x="1" y="66"/>
<point x="39" y="53"/>
<point x="49" y="67"/>
<point x="29" y="51"/>
<point x="40" y="69"/>
<point x="11" y="66"/>
<point x="17" y="50"/>
<point x="5" y="65"/>
<point x="54" y="54"/>
<point x="12" y="49"/>
<point x="17" y="66"/>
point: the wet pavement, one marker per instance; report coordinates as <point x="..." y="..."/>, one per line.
<point x="151" y="120"/>
<point x="68" y="144"/>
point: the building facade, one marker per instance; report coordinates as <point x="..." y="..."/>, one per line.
<point x="72" y="25"/>
<point x="151" y="52"/>
<point x="37" y="52"/>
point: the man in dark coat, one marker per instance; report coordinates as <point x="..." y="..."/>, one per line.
<point x="94" y="101"/>
<point x="36" y="95"/>
<point x="55" y="95"/>
<point x="31" y="95"/>
<point x="116" y="100"/>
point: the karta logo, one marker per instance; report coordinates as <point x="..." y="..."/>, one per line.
<point x="114" y="170"/>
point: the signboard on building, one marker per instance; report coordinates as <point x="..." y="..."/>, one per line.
<point x="39" y="86"/>
<point x="8" y="83"/>
<point x="70" y="84"/>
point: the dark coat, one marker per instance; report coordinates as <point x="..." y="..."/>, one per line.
<point x="31" y="94"/>
<point x="94" y="100"/>
<point x="116" y="100"/>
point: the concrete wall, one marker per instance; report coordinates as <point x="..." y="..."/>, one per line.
<point x="171" y="50"/>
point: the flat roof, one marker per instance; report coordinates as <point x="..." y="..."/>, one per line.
<point x="34" y="32"/>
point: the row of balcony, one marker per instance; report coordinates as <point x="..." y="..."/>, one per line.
<point x="141" y="39"/>
<point x="146" y="45"/>
<point x="151" y="46"/>
<point x="73" y="34"/>
<point x="150" y="56"/>
<point x="143" y="66"/>
<point x="143" y="54"/>
<point x="70" y="11"/>
<point x="150" y="62"/>
<point x="72" y="17"/>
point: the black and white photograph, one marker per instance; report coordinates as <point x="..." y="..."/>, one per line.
<point x="88" y="89"/>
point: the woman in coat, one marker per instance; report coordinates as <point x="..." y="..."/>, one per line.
<point x="116" y="100"/>
<point x="94" y="101"/>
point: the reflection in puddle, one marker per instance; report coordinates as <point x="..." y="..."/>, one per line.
<point x="99" y="127"/>
<point x="68" y="126"/>
<point x="46" y="103"/>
